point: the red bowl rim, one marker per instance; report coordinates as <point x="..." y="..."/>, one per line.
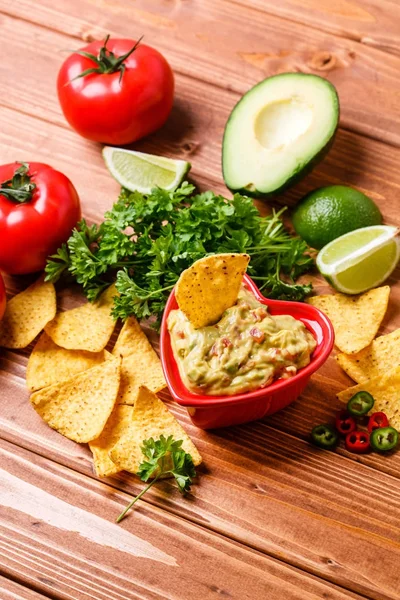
<point x="312" y="316"/>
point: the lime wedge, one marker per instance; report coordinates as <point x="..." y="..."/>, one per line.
<point x="139" y="171"/>
<point x="361" y="259"/>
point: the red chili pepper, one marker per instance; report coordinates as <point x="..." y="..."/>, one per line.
<point x="357" y="442"/>
<point x="377" y="421"/>
<point x="345" y="423"/>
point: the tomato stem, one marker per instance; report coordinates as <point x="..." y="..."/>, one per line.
<point x="19" y="188"/>
<point x="106" y="60"/>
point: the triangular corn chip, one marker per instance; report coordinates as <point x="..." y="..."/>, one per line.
<point x="140" y="363"/>
<point x="26" y="315"/>
<point x="355" y="319"/>
<point x="210" y="286"/>
<point x="116" y="426"/>
<point x="88" y="327"/>
<point x="379" y="357"/>
<point x="49" y="364"/>
<point x="385" y="388"/>
<point x="80" y="407"/>
<point x="151" y="418"/>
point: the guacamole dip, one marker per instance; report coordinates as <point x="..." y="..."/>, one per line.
<point x="247" y="349"/>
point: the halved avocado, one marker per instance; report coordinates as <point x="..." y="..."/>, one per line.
<point x="278" y="132"/>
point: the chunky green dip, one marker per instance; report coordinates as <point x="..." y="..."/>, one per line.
<point x="246" y="350"/>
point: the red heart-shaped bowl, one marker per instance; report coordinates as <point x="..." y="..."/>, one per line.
<point x="209" y="412"/>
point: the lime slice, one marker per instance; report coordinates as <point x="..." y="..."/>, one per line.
<point x="139" y="171"/>
<point x="361" y="259"/>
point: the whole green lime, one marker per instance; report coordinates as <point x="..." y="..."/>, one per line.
<point x="329" y="212"/>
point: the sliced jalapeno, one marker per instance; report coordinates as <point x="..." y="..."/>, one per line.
<point x="357" y="442"/>
<point x="345" y="423"/>
<point x="384" y="439"/>
<point x="360" y="404"/>
<point x="324" y="436"/>
<point x="377" y="420"/>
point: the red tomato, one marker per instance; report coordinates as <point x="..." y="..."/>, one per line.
<point x="39" y="206"/>
<point x="125" y="93"/>
<point x="2" y="297"/>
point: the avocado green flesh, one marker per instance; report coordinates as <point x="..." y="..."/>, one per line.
<point x="278" y="132"/>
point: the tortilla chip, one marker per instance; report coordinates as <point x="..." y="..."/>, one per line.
<point x="140" y="363"/>
<point x="355" y="319"/>
<point x="385" y="388"/>
<point x="210" y="286"/>
<point x="151" y="418"/>
<point x="27" y="313"/>
<point x="116" y="426"/>
<point x="80" y="407"/>
<point x="88" y="327"/>
<point x="379" y="357"/>
<point x="49" y="364"/>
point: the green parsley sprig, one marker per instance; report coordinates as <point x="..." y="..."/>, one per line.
<point x="147" y="240"/>
<point x="164" y="457"/>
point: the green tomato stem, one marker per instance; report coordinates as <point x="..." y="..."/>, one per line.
<point x="19" y="188"/>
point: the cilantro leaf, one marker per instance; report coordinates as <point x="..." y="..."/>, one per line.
<point x="165" y="456"/>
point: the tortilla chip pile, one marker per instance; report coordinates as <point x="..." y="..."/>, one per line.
<point x="373" y="363"/>
<point x="84" y="392"/>
<point x="355" y="319"/>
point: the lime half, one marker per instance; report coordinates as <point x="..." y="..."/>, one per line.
<point x="139" y="171"/>
<point x="361" y="259"/>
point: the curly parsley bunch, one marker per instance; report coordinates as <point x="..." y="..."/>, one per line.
<point x="147" y="240"/>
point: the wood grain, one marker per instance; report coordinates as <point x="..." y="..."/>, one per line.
<point x="10" y="590"/>
<point x="219" y="42"/>
<point x="66" y="150"/>
<point x="53" y="542"/>
<point x="269" y="516"/>
<point x="263" y="488"/>
<point x="370" y="22"/>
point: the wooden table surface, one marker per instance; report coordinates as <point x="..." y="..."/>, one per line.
<point x="270" y="516"/>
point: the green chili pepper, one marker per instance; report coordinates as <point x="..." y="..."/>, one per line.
<point x="360" y="404"/>
<point x="324" y="436"/>
<point x="384" y="439"/>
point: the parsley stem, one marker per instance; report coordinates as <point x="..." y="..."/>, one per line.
<point x="122" y="515"/>
<point x="269" y="248"/>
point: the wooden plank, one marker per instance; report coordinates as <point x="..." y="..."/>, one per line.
<point x="261" y="487"/>
<point x="11" y="590"/>
<point x="222" y="43"/>
<point x="69" y="152"/>
<point x="57" y="532"/>
<point x="370" y="22"/>
<point x="298" y="522"/>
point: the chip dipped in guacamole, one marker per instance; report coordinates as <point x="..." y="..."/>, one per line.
<point x="245" y="350"/>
